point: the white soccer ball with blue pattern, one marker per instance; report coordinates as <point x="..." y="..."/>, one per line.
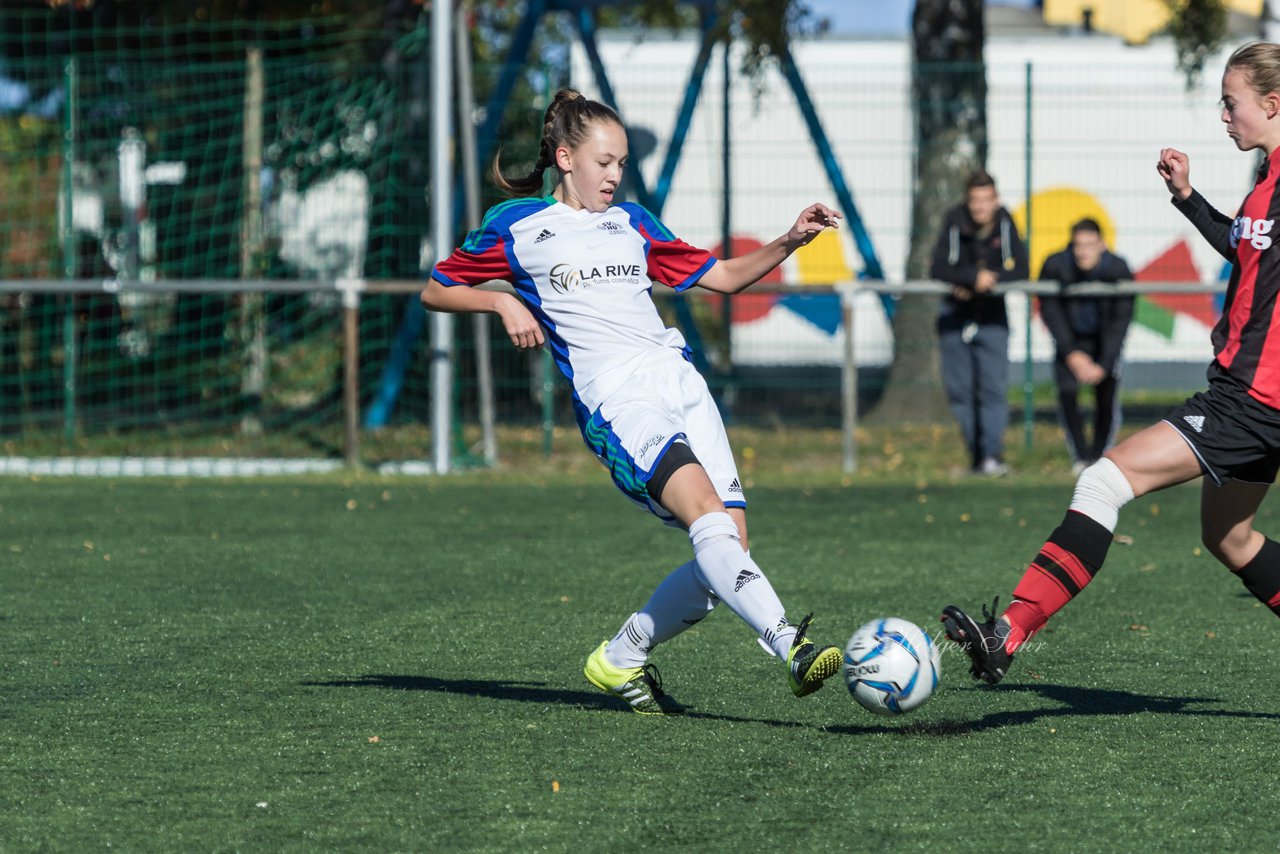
<point x="891" y="666"/>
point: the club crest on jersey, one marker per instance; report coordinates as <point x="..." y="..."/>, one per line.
<point x="566" y="278"/>
<point x="1256" y="231"/>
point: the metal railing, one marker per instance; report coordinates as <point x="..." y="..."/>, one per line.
<point x="352" y="291"/>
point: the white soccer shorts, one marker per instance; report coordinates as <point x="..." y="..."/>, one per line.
<point x="663" y="401"/>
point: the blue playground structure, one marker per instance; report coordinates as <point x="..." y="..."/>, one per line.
<point x="584" y="16"/>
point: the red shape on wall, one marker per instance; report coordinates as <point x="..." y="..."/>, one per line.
<point x="746" y="307"/>
<point x="1175" y="264"/>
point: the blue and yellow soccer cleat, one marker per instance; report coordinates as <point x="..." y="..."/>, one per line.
<point x="641" y="686"/>
<point x="808" y="665"/>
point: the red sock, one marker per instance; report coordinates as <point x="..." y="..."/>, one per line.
<point x="1066" y="563"/>
<point x="1261" y="576"/>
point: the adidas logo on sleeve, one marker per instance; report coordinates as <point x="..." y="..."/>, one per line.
<point x="1195" y="421"/>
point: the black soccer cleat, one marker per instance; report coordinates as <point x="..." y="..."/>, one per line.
<point x="984" y="642"/>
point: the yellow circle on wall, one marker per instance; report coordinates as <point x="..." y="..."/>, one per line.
<point x="1053" y="212"/>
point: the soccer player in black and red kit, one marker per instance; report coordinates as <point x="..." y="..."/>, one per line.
<point x="1229" y="434"/>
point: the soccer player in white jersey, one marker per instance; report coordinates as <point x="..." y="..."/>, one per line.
<point x="583" y="268"/>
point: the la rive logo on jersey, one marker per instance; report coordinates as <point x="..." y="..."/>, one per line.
<point x="1256" y="231"/>
<point x="566" y="278"/>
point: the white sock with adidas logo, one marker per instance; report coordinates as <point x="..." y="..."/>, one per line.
<point x="679" y="602"/>
<point x="729" y="572"/>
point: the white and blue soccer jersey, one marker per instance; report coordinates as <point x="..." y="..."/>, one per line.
<point x="587" y="278"/>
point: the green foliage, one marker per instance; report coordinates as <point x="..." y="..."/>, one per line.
<point x="395" y="665"/>
<point x="762" y="28"/>
<point x="322" y="123"/>
<point x="30" y="174"/>
<point x="1198" y="28"/>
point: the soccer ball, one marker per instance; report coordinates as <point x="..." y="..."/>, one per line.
<point x="891" y="666"/>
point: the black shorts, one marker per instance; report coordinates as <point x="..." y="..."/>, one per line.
<point x="1235" y="436"/>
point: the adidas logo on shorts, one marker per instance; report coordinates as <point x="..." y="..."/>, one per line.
<point x="1196" y="422"/>
<point x="744" y="578"/>
<point x="545" y="235"/>
<point x="735" y="486"/>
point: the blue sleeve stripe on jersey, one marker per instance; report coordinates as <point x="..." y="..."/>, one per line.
<point x="559" y="349"/>
<point x="498" y="221"/>
<point x="658" y="226"/>
<point x="527" y="289"/>
<point x="697" y="275"/>
<point x="636" y="216"/>
<point x="445" y="280"/>
<point x="639" y="215"/>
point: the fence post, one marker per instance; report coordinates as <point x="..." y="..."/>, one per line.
<point x="67" y="232"/>
<point x="253" y="325"/>
<point x="351" y="289"/>
<point x="442" y="238"/>
<point x="728" y="390"/>
<point x="1028" y="385"/>
<point x="471" y="196"/>
<point x="848" y="379"/>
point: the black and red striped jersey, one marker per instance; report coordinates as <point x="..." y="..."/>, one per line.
<point x="1246" y="338"/>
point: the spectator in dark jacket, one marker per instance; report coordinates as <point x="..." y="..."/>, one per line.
<point x="978" y="248"/>
<point x="1089" y="333"/>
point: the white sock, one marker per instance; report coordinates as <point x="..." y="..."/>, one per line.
<point x="768" y="650"/>
<point x="679" y="602"/>
<point x="1101" y="491"/>
<point x="730" y="573"/>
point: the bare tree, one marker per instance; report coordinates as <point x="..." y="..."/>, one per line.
<point x="949" y="89"/>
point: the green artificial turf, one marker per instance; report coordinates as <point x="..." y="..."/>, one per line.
<point x="396" y="665"/>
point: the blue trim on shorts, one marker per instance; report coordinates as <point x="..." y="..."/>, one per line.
<point x="599" y="437"/>
<point x="666" y="446"/>
<point x="627" y="476"/>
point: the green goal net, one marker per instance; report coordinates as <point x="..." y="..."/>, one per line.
<point x="178" y="205"/>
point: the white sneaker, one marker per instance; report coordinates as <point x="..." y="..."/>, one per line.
<point x="992" y="467"/>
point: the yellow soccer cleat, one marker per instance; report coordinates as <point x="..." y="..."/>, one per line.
<point x="808" y="665"/>
<point x="641" y="686"/>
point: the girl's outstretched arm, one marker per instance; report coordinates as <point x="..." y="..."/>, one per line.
<point x="737" y="274"/>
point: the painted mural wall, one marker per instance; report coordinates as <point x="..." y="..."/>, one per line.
<point x="1084" y="117"/>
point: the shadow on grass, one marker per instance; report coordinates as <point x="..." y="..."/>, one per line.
<point x="1072" y="702"/>
<point x="1075" y="702"/>
<point x="494" y="689"/>
<point x="527" y="692"/>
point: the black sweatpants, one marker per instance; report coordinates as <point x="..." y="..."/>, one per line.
<point x="1106" y="411"/>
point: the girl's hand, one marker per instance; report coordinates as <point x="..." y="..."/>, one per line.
<point x="811" y="222"/>
<point x="1175" y="169"/>
<point x="523" y="330"/>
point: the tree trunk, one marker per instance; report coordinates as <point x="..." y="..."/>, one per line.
<point x="950" y="97"/>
